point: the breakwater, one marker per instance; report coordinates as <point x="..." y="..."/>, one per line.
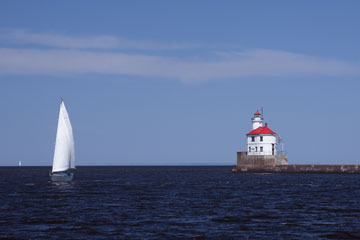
<point x="279" y="164"/>
<point x="297" y="168"/>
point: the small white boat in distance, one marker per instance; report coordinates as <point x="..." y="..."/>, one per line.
<point x="64" y="155"/>
<point x="19" y="163"/>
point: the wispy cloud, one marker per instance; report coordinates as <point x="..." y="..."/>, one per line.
<point x="84" y="42"/>
<point x="257" y="62"/>
<point x="104" y="55"/>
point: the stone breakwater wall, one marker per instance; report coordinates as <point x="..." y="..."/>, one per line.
<point x="279" y="164"/>
<point x="298" y="168"/>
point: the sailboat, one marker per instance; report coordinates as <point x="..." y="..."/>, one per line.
<point x="19" y="163"/>
<point x="64" y="154"/>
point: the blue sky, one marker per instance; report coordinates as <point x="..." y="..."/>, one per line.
<point x="165" y="82"/>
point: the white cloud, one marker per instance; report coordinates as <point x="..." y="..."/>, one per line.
<point x="256" y="62"/>
<point x="83" y="42"/>
<point x="100" y="55"/>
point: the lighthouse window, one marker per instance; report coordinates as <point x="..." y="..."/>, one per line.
<point x="255" y="149"/>
<point x="253" y="139"/>
<point x="261" y="138"/>
<point x="261" y="149"/>
<point x="249" y="149"/>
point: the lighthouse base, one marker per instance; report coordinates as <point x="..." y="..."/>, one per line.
<point x="260" y="160"/>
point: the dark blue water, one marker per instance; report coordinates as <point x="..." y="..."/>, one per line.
<point x="179" y="203"/>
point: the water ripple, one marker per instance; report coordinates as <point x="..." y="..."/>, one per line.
<point x="177" y="202"/>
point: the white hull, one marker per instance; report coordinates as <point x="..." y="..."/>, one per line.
<point x="61" y="177"/>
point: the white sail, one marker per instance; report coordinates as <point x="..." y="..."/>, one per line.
<point x="64" y="155"/>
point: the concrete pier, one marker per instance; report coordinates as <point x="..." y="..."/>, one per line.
<point x="279" y="164"/>
<point x="298" y="168"/>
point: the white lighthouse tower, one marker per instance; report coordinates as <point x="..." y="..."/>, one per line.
<point x="257" y="120"/>
<point x="261" y="140"/>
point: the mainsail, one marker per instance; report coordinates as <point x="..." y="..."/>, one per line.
<point x="64" y="156"/>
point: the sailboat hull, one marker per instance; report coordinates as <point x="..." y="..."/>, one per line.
<point x="61" y="177"/>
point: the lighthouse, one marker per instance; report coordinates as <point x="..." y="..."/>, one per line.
<point x="261" y="155"/>
<point x="261" y="148"/>
<point x="261" y="140"/>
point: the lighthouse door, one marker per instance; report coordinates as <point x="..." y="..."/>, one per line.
<point x="273" y="149"/>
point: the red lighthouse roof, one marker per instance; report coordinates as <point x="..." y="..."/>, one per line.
<point x="257" y="113"/>
<point x="262" y="130"/>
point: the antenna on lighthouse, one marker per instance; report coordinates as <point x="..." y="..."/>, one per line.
<point x="281" y="143"/>
<point x="262" y="112"/>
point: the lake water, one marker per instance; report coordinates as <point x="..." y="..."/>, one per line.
<point x="177" y="203"/>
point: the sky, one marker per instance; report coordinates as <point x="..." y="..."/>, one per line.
<point x="177" y="82"/>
